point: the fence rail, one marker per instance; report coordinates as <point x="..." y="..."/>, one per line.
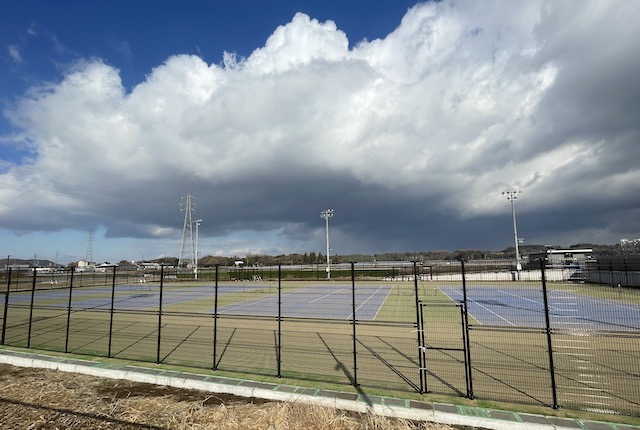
<point x="472" y="329"/>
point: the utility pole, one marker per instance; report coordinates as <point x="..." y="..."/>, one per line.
<point x="195" y="270"/>
<point x="326" y="214"/>
<point x="512" y="196"/>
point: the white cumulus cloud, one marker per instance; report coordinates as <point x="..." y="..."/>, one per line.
<point x="425" y="126"/>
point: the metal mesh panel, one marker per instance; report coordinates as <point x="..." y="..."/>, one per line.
<point x="89" y="319"/>
<point x="134" y="336"/>
<point x="17" y="323"/>
<point x="511" y="364"/>
<point x="596" y="333"/>
<point x="246" y="346"/>
<point x="385" y="327"/>
<point x="508" y="344"/>
<point x="89" y="332"/>
<point x="187" y="340"/>
<point x="49" y="316"/>
<point x="316" y="350"/>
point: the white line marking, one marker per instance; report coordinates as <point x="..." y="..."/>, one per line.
<point x="569" y="323"/>
<point x="249" y="303"/>
<point x="459" y="293"/>
<point x="326" y="295"/>
<point x="489" y="310"/>
<point x="588" y="395"/>
<point x="363" y="303"/>
<point x="383" y="302"/>
<point x="574" y="354"/>
<point x="569" y="387"/>
<point x="573" y="347"/>
<point x="520" y="297"/>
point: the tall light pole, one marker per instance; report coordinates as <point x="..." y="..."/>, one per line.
<point x="195" y="257"/>
<point x="8" y="257"/>
<point x="326" y="214"/>
<point x="512" y="196"/>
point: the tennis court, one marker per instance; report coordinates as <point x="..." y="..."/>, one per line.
<point x="314" y="301"/>
<point x="317" y="301"/>
<point x="132" y="297"/>
<point x="524" y="307"/>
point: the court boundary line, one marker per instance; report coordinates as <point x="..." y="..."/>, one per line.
<point x="485" y="308"/>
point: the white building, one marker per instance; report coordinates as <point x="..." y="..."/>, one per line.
<point x="563" y="257"/>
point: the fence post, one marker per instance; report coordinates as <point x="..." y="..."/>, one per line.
<point x="467" y="341"/>
<point x="113" y="296"/>
<point x="626" y="272"/>
<point x="279" y="350"/>
<point x="33" y="293"/>
<point x="353" y="324"/>
<point x="160" y="313"/>
<point x="66" y="342"/>
<point x="6" y="305"/>
<point x="552" y="372"/>
<point x="215" y="320"/>
<point x="421" y="360"/>
<point x="423" y="348"/>
<point x="613" y="283"/>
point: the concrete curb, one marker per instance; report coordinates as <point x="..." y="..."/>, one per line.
<point x="384" y="406"/>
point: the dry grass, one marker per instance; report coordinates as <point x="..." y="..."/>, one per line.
<point x="48" y="399"/>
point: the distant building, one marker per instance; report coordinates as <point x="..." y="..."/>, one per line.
<point x="16" y="266"/>
<point x="562" y="257"/>
<point x="630" y="246"/>
<point x="85" y="266"/>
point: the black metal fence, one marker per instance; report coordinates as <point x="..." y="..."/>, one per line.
<point x="473" y="329"/>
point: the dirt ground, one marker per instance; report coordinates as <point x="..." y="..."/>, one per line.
<point x="50" y="399"/>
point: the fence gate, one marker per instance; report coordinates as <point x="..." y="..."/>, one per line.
<point x="444" y="366"/>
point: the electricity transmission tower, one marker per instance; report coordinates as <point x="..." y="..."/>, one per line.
<point x="89" y="256"/>
<point x="187" y="246"/>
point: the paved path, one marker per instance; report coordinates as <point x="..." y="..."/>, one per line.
<point x="389" y="406"/>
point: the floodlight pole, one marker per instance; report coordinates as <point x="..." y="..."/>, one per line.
<point x="326" y="214"/>
<point x="195" y="270"/>
<point x="512" y="196"/>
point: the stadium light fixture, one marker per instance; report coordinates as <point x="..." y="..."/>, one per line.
<point x="512" y="197"/>
<point x="326" y="214"/>
<point x="195" y="257"/>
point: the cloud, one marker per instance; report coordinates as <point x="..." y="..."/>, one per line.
<point x="411" y="138"/>
<point x="124" y="48"/>
<point x="15" y="54"/>
<point x="32" y="30"/>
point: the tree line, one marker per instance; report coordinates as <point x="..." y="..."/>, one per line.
<point x="445" y="255"/>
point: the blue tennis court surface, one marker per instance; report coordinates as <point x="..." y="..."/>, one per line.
<point x="524" y="307"/>
<point x="127" y="297"/>
<point x="318" y="301"/>
<point x="62" y="295"/>
<point x="321" y="301"/>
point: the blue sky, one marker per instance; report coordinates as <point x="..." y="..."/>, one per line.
<point x="409" y="119"/>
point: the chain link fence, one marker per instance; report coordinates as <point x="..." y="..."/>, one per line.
<point x="478" y="329"/>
